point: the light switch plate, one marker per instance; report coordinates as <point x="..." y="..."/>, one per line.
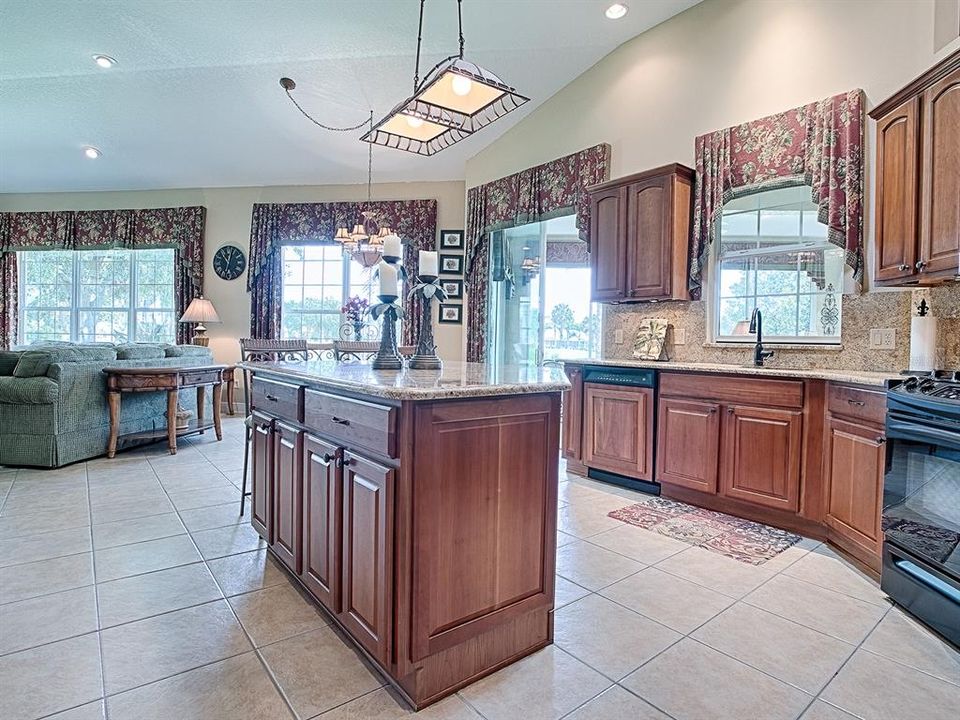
<point x="618" y="336"/>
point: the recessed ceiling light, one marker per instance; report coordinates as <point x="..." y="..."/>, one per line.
<point x="104" y="61"/>
<point x="91" y="152"/>
<point x="616" y="11"/>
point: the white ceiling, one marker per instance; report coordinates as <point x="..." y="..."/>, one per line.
<point x="195" y="99"/>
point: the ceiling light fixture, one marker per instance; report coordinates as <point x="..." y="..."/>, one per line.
<point x="616" y="11"/>
<point x="104" y="61"/>
<point x="91" y="152"/>
<point x="454" y="100"/>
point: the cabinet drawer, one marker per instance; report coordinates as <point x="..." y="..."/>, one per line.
<point x="199" y="377"/>
<point x="358" y="424"/>
<point x="280" y="399"/>
<point x="858" y="403"/>
<point x="733" y="389"/>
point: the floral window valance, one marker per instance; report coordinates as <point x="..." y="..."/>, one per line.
<point x="180" y="228"/>
<point x="275" y="225"/>
<point x="819" y="144"/>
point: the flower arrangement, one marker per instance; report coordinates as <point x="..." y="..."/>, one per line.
<point x="355" y="308"/>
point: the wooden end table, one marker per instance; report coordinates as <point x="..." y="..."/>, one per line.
<point x="170" y="380"/>
<point x="229" y="379"/>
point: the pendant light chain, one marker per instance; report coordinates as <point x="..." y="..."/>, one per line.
<point x="369" y="163"/>
<point x="460" y="25"/>
<point x="287" y="87"/>
<point x="416" y="72"/>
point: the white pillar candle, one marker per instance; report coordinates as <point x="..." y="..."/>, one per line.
<point x="392" y="246"/>
<point x="388" y="279"/>
<point x="428" y="263"/>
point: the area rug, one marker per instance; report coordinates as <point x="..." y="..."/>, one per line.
<point x="736" y="538"/>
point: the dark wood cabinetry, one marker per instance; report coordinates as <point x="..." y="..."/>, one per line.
<point x="261" y="464"/>
<point x="918" y="180"/>
<point x="287" y="489"/>
<point x="639" y="234"/>
<point x="688" y="442"/>
<point x="573" y="416"/>
<point x="322" y="526"/>
<point x="618" y="429"/>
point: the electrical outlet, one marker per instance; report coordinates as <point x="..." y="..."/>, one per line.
<point x="679" y="336"/>
<point x="618" y="336"/>
<point x="888" y="339"/>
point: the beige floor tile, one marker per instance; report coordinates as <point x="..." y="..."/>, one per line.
<point x="544" y="686"/>
<point x="564" y="539"/>
<point x="693" y="682"/>
<point x="714" y="571"/>
<point x="147" y="491"/>
<point x="17" y="551"/>
<point x="201" y="480"/>
<point x="608" y="637"/>
<point x="126" y="532"/>
<point x="820" y="710"/>
<point x="298" y="662"/>
<point x="670" y="600"/>
<point x="790" y="652"/>
<point x="130" y="510"/>
<point x="616" y="704"/>
<point x="583" y="520"/>
<point x="125" y="560"/>
<point x="48" y="618"/>
<point x="247" y="572"/>
<point x="43" y="501"/>
<point x="91" y="711"/>
<point x="829" y="612"/>
<point x="50" y="678"/>
<point x="230" y="540"/>
<point x="214" y="516"/>
<point x="566" y="592"/>
<point x="384" y="704"/>
<point x="148" y="650"/>
<point x="45" y="577"/>
<point x="202" y="498"/>
<point x="141" y="596"/>
<point x="593" y="567"/>
<point x="874" y="688"/>
<point x="901" y="638"/>
<point x="825" y="568"/>
<point x="238" y="688"/>
<point x="43" y="522"/>
<point x="276" y="613"/>
<point x="641" y="545"/>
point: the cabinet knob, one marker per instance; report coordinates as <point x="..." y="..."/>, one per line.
<point x="713" y="411"/>
<point x="881" y="440"/>
<point x="903" y="267"/>
<point x="921" y="264"/>
<point x="265" y="426"/>
<point x="729" y="411"/>
<point x="327" y="457"/>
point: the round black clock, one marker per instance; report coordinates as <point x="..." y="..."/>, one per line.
<point x="229" y="262"/>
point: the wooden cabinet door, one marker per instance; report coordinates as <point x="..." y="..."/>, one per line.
<point x="367" y="552"/>
<point x="856" y="458"/>
<point x="898" y="181"/>
<point x="573" y="414"/>
<point x="261" y="477"/>
<point x="322" y="508"/>
<point x="608" y="244"/>
<point x="761" y="456"/>
<point x="618" y="429"/>
<point x="649" y="238"/>
<point x="940" y="198"/>
<point x="287" y="494"/>
<point x="688" y="442"/>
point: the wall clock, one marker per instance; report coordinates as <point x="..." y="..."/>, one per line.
<point x="229" y="262"/>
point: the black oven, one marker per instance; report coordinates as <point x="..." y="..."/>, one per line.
<point x="921" y="502"/>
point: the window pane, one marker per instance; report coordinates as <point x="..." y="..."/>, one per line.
<point x="155" y="326"/>
<point x="779" y="315"/>
<point x="732" y="312"/>
<point x="778" y="275"/>
<point x="782" y="223"/>
<point x="743" y="224"/>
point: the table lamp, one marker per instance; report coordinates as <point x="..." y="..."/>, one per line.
<point x="200" y="311"/>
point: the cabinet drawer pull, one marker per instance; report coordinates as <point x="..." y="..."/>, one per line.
<point x="921" y="264"/>
<point x="903" y="268"/>
<point x="340" y="421"/>
<point x="860" y="403"/>
<point x="271" y="398"/>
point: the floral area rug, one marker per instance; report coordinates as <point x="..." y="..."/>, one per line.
<point x="743" y="540"/>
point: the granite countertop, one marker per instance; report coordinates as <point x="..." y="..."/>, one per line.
<point x="846" y="376"/>
<point x="455" y="380"/>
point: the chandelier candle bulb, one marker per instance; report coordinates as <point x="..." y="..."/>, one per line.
<point x="388" y="279"/>
<point x="392" y="246"/>
<point x="428" y="264"/>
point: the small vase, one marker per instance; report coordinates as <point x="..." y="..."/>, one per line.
<point x="357" y="330"/>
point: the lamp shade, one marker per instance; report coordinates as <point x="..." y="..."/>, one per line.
<point x="200" y="310"/>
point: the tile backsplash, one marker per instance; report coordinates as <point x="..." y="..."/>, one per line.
<point x="860" y="314"/>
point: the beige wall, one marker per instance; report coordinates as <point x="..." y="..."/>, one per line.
<point x="228" y="221"/>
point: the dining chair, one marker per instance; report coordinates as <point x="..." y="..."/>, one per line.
<point x="255" y="350"/>
<point x="353" y="351"/>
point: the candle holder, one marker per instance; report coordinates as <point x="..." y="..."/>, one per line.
<point x="427" y="288"/>
<point x="388" y="356"/>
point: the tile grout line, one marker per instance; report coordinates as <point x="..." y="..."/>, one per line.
<point x="96" y="600"/>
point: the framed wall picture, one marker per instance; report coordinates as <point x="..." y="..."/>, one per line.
<point x="453" y="289"/>
<point x="451" y="264"/>
<point x="451" y="239"/>
<point x="451" y="314"/>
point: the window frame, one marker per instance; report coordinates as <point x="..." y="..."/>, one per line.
<point x="133" y="307"/>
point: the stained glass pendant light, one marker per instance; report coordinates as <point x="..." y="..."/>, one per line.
<point x="454" y="100"/>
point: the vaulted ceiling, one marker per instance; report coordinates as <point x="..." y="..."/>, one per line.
<point x="194" y="100"/>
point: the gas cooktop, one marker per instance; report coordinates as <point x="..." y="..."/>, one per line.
<point x="939" y="385"/>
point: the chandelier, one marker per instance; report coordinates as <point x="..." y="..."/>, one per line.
<point x="455" y="99"/>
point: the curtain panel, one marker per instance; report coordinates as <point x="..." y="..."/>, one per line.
<point x="180" y="228"/>
<point x="819" y="144"/>
<point x="555" y="188"/>
<point x="275" y="225"/>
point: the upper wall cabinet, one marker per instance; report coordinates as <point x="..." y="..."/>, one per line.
<point x="639" y="236"/>
<point x="918" y="180"/>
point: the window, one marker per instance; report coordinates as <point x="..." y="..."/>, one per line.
<point x="317" y="282"/>
<point x="772" y="253"/>
<point x="97" y="296"/>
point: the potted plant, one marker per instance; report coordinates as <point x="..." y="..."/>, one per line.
<point x="353" y="311"/>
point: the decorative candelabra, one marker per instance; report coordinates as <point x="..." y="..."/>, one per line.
<point x="427" y="288"/>
<point x="388" y="356"/>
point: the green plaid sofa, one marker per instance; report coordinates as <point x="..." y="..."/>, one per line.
<point x="53" y="407"/>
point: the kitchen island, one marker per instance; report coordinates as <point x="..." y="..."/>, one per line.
<point x="417" y="507"/>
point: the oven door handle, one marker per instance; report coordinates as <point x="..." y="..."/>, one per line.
<point x="922" y="433"/>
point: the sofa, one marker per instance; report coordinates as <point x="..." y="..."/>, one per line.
<point x="53" y="407"/>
